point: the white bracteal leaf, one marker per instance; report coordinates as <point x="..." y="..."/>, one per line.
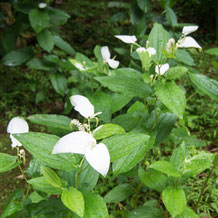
<point x="151" y="51"/>
<point x="188" y="42"/>
<point x="75" y="142"/>
<point x="105" y="53"/>
<point x="127" y="39"/>
<point x="189" y="29"/>
<point x="42" y="5"/>
<point x="14" y="141"/>
<point x="162" y="70"/>
<point x="113" y="63"/>
<point x="82" y="105"/>
<point x="17" y="125"/>
<point x="99" y="158"/>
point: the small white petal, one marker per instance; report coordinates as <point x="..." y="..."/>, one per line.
<point x="188" y="42"/>
<point x="42" y="5"/>
<point x="126" y="38"/>
<point x="189" y="29"/>
<point x="113" y="63"/>
<point x="14" y="141"/>
<point x="141" y="49"/>
<point x="17" y="125"/>
<point x="82" y="105"/>
<point x="75" y="142"/>
<point x="151" y="51"/>
<point x="163" y="69"/>
<point x="99" y="158"/>
<point x="105" y="53"/>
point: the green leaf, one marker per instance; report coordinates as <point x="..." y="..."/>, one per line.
<point x="41" y="184"/>
<point x="144" y="5"/>
<point x="94" y="206"/>
<point x="35" y="197"/>
<point x="137" y="109"/>
<point x="165" y="124"/>
<point x="57" y="17"/>
<point x="127" y="72"/>
<point x="39" y="19"/>
<point x="198" y="164"/>
<point x="51" y="177"/>
<point x="107" y="130"/>
<point x="187" y="213"/>
<point x="145" y="212"/>
<point x="205" y="84"/>
<point x="45" y="40"/>
<point x="51" y="120"/>
<point x="102" y="103"/>
<point x="184" y="57"/>
<point x="171" y="16"/>
<point x="128" y="86"/>
<point x="88" y="178"/>
<point x="212" y="51"/>
<point x="122" y="145"/>
<point x="118" y="193"/>
<point x="40" y="145"/>
<point x="158" y="39"/>
<point x="178" y="157"/>
<point x="127" y="121"/>
<point x="59" y="82"/>
<point x="62" y="44"/>
<point x="118" y="101"/>
<point x="17" y="57"/>
<point x="153" y="179"/>
<point x="215" y="161"/>
<point x="165" y="167"/>
<point x="176" y="72"/>
<point x="174" y="200"/>
<point x="8" y="162"/>
<point x="172" y="96"/>
<point x="73" y="199"/>
<point x="127" y="162"/>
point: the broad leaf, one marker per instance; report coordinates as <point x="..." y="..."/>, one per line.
<point x="65" y="46"/>
<point x="39" y="19"/>
<point x="176" y="72"/>
<point x="171" y="16"/>
<point x="59" y="82"/>
<point x="144" y="5"/>
<point x="118" y="193"/>
<point x="41" y="184"/>
<point x="153" y="179"/>
<point x="57" y="17"/>
<point x="73" y="199"/>
<point x="51" y="120"/>
<point x="127" y="72"/>
<point x="172" y="97"/>
<point x="158" y="39"/>
<point x="128" y="86"/>
<point x="40" y="145"/>
<point x="165" y="167"/>
<point x="212" y="51"/>
<point x="17" y="57"/>
<point x="122" y="145"/>
<point x="51" y="177"/>
<point x="8" y="162"/>
<point x="45" y="40"/>
<point x="184" y="57"/>
<point x="188" y="212"/>
<point x="205" y="84"/>
<point x="107" y="130"/>
<point x="174" y="200"/>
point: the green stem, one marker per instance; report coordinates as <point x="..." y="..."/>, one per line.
<point x="68" y="215"/>
<point x="26" y="195"/>
<point x="155" y="120"/>
<point x="78" y="176"/>
<point x="22" y="172"/>
<point x="204" y="188"/>
<point x="191" y="96"/>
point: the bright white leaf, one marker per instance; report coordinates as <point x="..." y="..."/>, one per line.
<point x="105" y="53"/>
<point x="42" y="5"/>
<point x="82" y="105"/>
<point x="151" y="51"/>
<point x="188" y="42"/>
<point x="75" y="142"/>
<point x="99" y="158"/>
<point x="127" y="39"/>
<point x="162" y="70"/>
<point x="189" y="29"/>
<point x="17" y="125"/>
<point x="113" y="63"/>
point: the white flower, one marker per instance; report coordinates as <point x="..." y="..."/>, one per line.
<point x="42" y="5"/>
<point x="162" y="70"/>
<point x="105" y="53"/>
<point x="189" y="29"/>
<point x="17" y="125"/>
<point x="188" y="42"/>
<point x="127" y="39"/>
<point x="79" y="66"/>
<point x="151" y="51"/>
<point x="83" y="106"/>
<point x="80" y="142"/>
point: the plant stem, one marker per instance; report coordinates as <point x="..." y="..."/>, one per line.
<point x="22" y="172"/>
<point x="191" y="96"/>
<point x="155" y="105"/>
<point x="203" y="188"/>
<point x="78" y="176"/>
<point x="137" y="193"/>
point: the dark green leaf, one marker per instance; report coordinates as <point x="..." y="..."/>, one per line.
<point x="144" y="5"/>
<point x="57" y="17"/>
<point x="171" y="16"/>
<point x="59" y="82"/>
<point x="176" y="72"/>
<point x="184" y="57"/>
<point x="8" y="162"/>
<point x="65" y="46"/>
<point x="45" y="40"/>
